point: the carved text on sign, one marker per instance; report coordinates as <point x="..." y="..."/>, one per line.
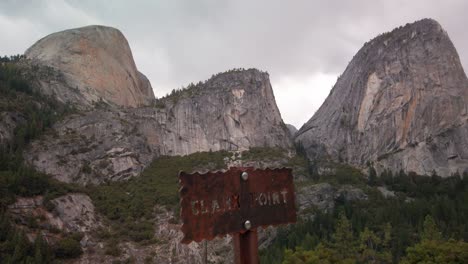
<point x="268" y="198"/>
<point x="228" y="203"/>
<point x="231" y="202"/>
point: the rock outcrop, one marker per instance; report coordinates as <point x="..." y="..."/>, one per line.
<point x="402" y="103"/>
<point x="323" y="196"/>
<point x="292" y="129"/>
<point x="70" y="213"/>
<point x="231" y="111"/>
<point x="8" y="122"/>
<point x="93" y="147"/>
<point x="95" y="64"/>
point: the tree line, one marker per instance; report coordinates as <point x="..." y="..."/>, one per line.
<point x="383" y="230"/>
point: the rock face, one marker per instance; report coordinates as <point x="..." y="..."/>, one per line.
<point x="231" y="111"/>
<point x="402" y="103"/>
<point x="95" y="64"/>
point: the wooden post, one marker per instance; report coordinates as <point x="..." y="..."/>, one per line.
<point x="246" y="247"/>
<point x="205" y="252"/>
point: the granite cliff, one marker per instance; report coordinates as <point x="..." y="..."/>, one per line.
<point x="401" y="104"/>
<point x="94" y="64"/>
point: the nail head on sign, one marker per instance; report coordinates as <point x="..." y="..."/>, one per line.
<point x="247" y="225"/>
<point x="245" y="175"/>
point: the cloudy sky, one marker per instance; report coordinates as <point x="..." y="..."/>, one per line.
<point x="304" y="45"/>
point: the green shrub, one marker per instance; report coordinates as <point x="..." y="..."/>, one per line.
<point x="68" y="247"/>
<point x="264" y="153"/>
<point x="112" y="248"/>
<point x="140" y="231"/>
<point x="86" y="168"/>
<point x="127" y="203"/>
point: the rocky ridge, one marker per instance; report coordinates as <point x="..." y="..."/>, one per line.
<point x="231" y="111"/>
<point x="93" y="68"/>
<point x="401" y="104"/>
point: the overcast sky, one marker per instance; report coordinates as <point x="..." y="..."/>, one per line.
<point x="304" y="45"/>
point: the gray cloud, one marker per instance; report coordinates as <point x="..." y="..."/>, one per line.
<point x="178" y="42"/>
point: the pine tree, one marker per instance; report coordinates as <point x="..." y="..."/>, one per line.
<point x="372" y="176"/>
<point x="21" y="248"/>
<point x="369" y="242"/>
<point x="309" y="242"/>
<point x="430" y="232"/>
<point x="42" y="252"/>
<point x="343" y="239"/>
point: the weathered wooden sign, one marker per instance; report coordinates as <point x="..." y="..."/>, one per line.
<point x="240" y="199"/>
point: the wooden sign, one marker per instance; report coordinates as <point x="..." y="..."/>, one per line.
<point x="220" y="203"/>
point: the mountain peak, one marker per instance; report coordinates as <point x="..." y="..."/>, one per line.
<point x="400" y="104"/>
<point x="95" y="60"/>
